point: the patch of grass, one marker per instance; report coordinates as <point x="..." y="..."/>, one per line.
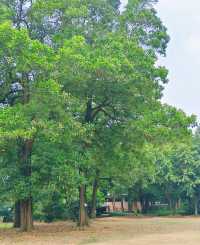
<point x="5" y="225"/>
<point x="123" y="214"/>
<point x="162" y="212"/>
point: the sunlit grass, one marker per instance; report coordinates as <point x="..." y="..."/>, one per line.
<point x="5" y="225"/>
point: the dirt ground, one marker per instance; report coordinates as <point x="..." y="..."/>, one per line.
<point x="115" y="231"/>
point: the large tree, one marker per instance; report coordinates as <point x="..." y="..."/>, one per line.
<point x="32" y="106"/>
<point x="103" y="57"/>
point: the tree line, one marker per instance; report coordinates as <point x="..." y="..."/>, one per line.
<point x="81" y="105"/>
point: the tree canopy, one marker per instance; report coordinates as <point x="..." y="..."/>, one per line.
<point x="81" y="112"/>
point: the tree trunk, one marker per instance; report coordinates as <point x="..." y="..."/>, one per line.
<point x="174" y="207"/>
<point x="26" y="215"/>
<point x="23" y="208"/>
<point x="26" y="220"/>
<point x="146" y="205"/>
<point x="130" y="200"/>
<point x="83" y="216"/>
<point x="113" y="203"/>
<point x="142" y="202"/>
<point x="196" y="206"/>
<point x="94" y="198"/>
<point x="17" y="219"/>
<point x="179" y="203"/>
<point x="122" y="205"/>
<point x="170" y="202"/>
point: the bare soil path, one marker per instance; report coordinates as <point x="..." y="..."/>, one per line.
<point x="114" y="231"/>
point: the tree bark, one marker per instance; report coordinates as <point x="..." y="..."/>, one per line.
<point x="142" y="202"/>
<point x="130" y="200"/>
<point x="26" y="215"/>
<point x="25" y="151"/>
<point x="179" y="203"/>
<point x="26" y="219"/>
<point x="122" y="204"/>
<point x="94" y="197"/>
<point x="174" y="207"/>
<point x="113" y="203"/>
<point x="146" y="205"/>
<point x="170" y="202"/>
<point x="196" y="213"/>
<point x="83" y="216"/>
<point x="17" y="218"/>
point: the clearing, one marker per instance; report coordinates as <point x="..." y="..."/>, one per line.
<point x="117" y="231"/>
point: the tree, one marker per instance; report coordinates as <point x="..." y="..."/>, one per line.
<point x="118" y="80"/>
<point x="21" y="66"/>
<point x="84" y="75"/>
<point x="37" y="105"/>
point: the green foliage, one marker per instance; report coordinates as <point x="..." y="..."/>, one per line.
<point x="80" y="102"/>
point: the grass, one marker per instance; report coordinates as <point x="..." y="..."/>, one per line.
<point x="162" y="212"/>
<point x="123" y="214"/>
<point x="5" y="225"/>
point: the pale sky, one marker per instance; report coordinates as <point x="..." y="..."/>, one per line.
<point x="182" y="18"/>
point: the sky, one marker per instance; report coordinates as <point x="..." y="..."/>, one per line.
<point x="182" y="19"/>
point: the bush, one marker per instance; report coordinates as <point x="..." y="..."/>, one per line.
<point x="165" y="211"/>
<point x="123" y="214"/>
<point x="51" y="210"/>
<point x="6" y="213"/>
